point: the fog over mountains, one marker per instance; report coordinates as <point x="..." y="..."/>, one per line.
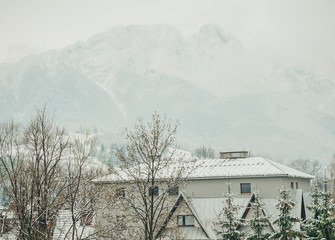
<point x="221" y="94"/>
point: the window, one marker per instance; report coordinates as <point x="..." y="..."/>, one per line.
<point x="245" y="188"/>
<point x="292" y="185"/>
<point x="296" y="185"/>
<point x="86" y="218"/>
<point x="153" y="191"/>
<point x="120" y="192"/>
<point x="185" y="220"/>
<point x="174" y="191"/>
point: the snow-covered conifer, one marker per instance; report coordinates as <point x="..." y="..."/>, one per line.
<point x="285" y="221"/>
<point x="229" y="223"/>
<point x="326" y="214"/>
<point x="259" y="220"/>
<point x="312" y="226"/>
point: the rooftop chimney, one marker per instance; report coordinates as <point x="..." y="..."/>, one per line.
<point x="233" y="155"/>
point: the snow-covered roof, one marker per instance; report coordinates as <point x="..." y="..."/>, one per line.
<point x="64" y="227"/>
<point x="225" y="168"/>
<point x="251" y="166"/>
<point x="172" y="162"/>
<point x="198" y="233"/>
<point x="208" y="209"/>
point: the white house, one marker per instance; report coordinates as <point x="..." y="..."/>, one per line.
<point x="198" y="207"/>
<point x="198" y="204"/>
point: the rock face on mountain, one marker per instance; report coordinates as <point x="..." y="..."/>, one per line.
<point x="114" y="77"/>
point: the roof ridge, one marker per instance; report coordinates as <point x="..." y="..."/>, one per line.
<point x="275" y="165"/>
<point x="290" y="168"/>
<point x="183" y="196"/>
<point x="192" y="208"/>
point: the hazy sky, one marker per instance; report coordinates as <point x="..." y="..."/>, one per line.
<point x="301" y="28"/>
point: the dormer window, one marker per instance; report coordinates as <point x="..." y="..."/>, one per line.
<point x="245" y="188"/>
<point x="185" y="220"/>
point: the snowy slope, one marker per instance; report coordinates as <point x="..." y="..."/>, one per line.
<point x="278" y="109"/>
<point x="40" y="81"/>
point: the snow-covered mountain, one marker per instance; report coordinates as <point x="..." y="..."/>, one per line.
<point x="279" y="110"/>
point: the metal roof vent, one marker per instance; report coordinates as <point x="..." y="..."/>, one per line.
<point x="233" y="155"/>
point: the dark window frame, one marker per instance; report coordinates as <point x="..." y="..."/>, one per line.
<point x="292" y="185"/>
<point x="296" y="185"/>
<point x="153" y="191"/>
<point x="184" y="220"/>
<point x="242" y="192"/>
<point x="174" y="191"/>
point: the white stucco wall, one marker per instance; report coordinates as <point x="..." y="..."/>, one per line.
<point x="268" y="187"/>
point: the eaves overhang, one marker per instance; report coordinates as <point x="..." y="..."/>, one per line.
<point x="206" y="178"/>
<point x="246" y="176"/>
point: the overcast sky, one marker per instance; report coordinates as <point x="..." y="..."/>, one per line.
<point x="303" y="28"/>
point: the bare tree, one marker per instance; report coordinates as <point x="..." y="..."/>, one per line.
<point x="113" y="216"/>
<point x="12" y="164"/>
<point x="332" y="175"/>
<point x="205" y="152"/>
<point x="42" y="171"/>
<point x="150" y="171"/>
<point x="31" y="174"/>
<point x="306" y="165"/>
<point x="80" y="194"/>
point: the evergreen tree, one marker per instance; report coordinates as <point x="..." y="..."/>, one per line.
<point x="229" y="223"/>
<point x="285" y="221"/>
<point x="326" y="217"/>
<point x="312" y="226"/>
<point x="322" y="225"/>
<point x="259" y="221"/>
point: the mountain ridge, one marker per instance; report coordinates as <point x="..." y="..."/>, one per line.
<point x="114" y="77"/>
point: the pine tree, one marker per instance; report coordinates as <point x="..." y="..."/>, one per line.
<point x="322" y="225"/>
<point x="312" y="226"/>
<point x="259" y="221"/>
<point x="326" y="217"/>
<point x="229" y="223"/>
<point x="285" y="221"/>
